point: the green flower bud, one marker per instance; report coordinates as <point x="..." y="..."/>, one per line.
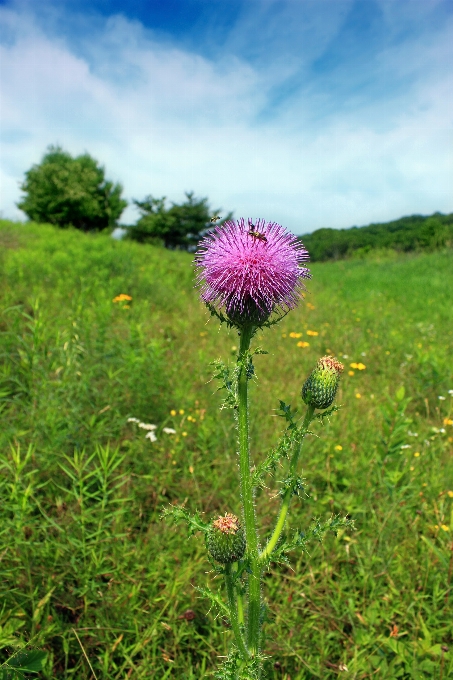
<point x="321" y="386"/>
<point x="225" y="540"/>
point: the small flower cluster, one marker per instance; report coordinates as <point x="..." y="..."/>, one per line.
<point x="145" y="426"/>
<point x="151" y="435"/>
<point x="122" y="298"/>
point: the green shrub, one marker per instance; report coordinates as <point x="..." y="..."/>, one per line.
<point x="179" y="227"/>
<point x="71" y="191"/>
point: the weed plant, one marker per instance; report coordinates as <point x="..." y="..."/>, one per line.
<point x="92" y="576"/>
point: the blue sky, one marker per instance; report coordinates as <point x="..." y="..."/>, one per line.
<point x="310" y="113"/>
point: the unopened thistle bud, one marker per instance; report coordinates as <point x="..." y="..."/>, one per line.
<point x="321" y="386"/>
<point x="226" y="540"/>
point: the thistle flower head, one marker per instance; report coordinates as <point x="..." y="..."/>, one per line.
<point x="225" y="539"/>
<point x="250" y="270"/>
<point x="321" y="386"/>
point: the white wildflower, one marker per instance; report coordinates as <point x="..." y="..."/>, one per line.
<point x="151" y="436"/>
<point x="133" y="420"/>
<point x="442" y="430"/>
<point x="168" y="430"/>
<point x="406" y="446"/>
<point x="147" y="426"/>
<point x="450" y="392"/>
<point x="442" y="398"/>
<point x="412" y="434"/>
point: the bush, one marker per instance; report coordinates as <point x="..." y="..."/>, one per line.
<point x="68" y="191"/>
<point x="179" y="227"/>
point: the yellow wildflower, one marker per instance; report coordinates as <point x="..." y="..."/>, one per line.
<point x="295" y="335"/>
<point x="173" y="412"/>
<point x="184" y="434"/>
<point x="448" y="421"/>
<point x="358" y="395"/>
<point x="122" y="298"/>
<point x="313" y="333"/>
<point x="302" y="343"/>
<point x="361" y="366"/>
<point x="181" y="411"/>
<point x="417" y="454"/>
<point x="351" y="373"/>
<point x="338" y="447"/>
<point x="310" y="306"/>
<point x="450" y="493"/>
<point x="444" y="527"/>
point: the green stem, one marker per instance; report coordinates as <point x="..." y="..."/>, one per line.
<point x="289" y="492"/>
<point x="233" y="612"/>
<point x="254" y="589"/>
<point x="240" y="602"/>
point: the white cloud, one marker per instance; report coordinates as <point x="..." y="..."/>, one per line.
<point x="164" y="120"/>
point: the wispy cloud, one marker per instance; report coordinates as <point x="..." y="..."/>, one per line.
<point x="310" y="114"/>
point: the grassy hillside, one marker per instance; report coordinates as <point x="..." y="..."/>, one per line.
<point x="414" y="233"/>
<point x="90" y="572"/>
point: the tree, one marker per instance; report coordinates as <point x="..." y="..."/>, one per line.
<point x="180" y="226"/>
<point x="71" y="191"/>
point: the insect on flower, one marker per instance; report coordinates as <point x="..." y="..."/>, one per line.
<point x="256" y="234"/>
<point x="248" y="278"/>
<point x="214" y="218"/>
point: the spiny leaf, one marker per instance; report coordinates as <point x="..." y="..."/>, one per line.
<point x="214" y="599"/>
<point x="328" y="412"/>
<point x="194" y="522"/>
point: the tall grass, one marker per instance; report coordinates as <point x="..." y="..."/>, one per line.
<point x="89" y="572"/>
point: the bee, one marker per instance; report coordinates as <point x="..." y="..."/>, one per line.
<point x="256" y="234"/>
<point x="214" y="218"/>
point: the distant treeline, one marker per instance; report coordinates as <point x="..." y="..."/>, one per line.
<point x="416" y="232"/>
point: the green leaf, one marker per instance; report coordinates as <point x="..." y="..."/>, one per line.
<point x="194" y="522"/>
<point x="22" y="663"/>
<point x="400" y="392"/>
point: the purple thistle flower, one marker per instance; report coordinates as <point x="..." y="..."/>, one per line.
<point x="251" y="270"/>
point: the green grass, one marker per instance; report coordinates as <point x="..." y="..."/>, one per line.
<point x="89" y="571"/>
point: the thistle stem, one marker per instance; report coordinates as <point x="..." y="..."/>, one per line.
<point x="254" y="581"/>
<point x="233" y="611"/>
<point x="240" y="602"/>
<point x="289" y="492"/>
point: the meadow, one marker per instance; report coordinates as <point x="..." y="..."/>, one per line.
<point x="89" y="571"/>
